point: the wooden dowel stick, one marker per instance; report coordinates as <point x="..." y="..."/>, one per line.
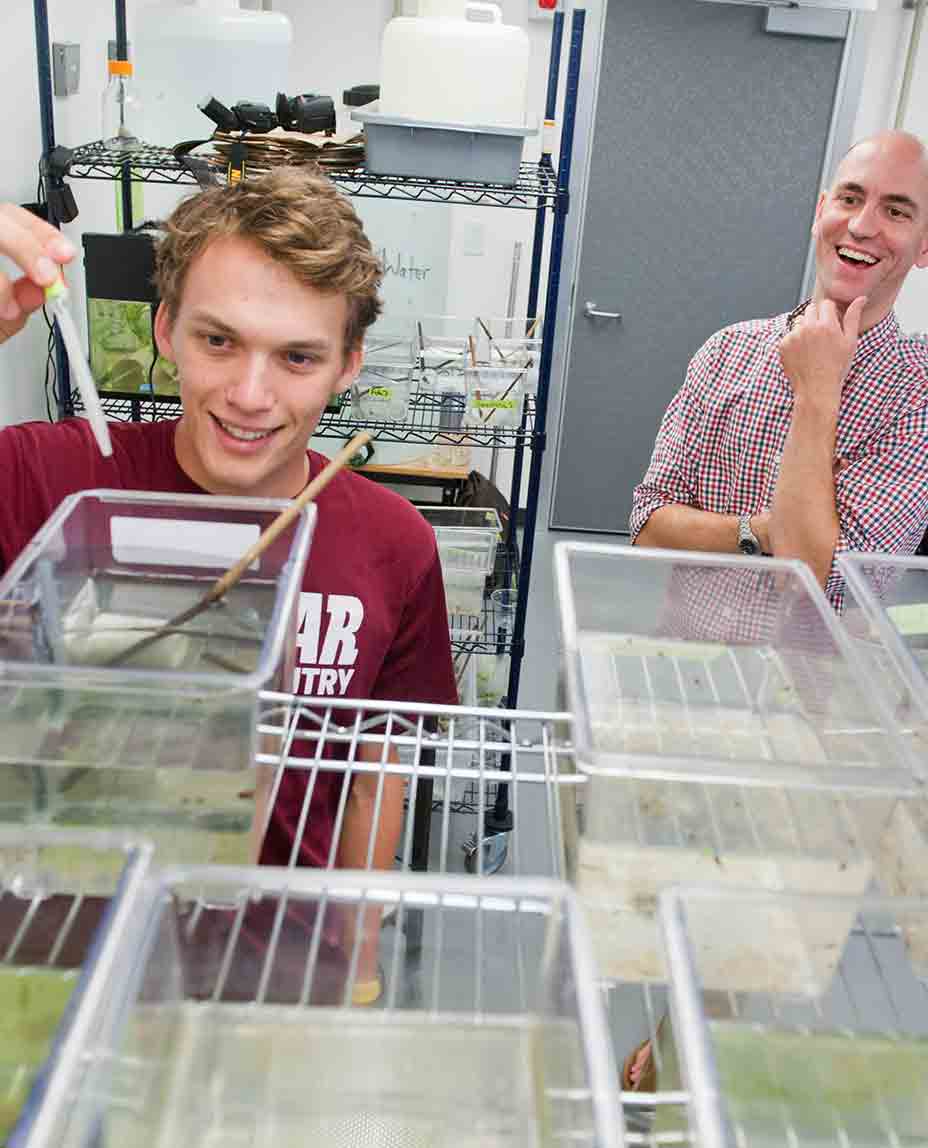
<point x="268" y="536"/>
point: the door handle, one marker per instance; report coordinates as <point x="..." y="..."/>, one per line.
<point x="589" y="309"/>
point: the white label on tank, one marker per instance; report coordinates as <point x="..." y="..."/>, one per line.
<point x="181" y="542"/>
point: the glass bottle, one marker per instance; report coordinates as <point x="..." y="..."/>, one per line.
<point x="122" y="109"/>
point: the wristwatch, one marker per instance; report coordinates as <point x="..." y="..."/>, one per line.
<point x="748" y="542"/>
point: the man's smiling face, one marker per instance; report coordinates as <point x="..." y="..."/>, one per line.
<point x="871" y="226"/>
<point x="259" y="354"/>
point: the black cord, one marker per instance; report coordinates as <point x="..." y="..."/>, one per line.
<point x="51" y="370"/>
<point x="152" y="365"/>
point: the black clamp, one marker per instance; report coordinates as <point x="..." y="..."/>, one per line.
<point x="53" y="167"/>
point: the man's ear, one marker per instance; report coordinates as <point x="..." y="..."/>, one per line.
<point x="922" y="260"/>
<point x="352" y="368"/>
<point x="818" y="213"/>
<point x="163" y="332"/>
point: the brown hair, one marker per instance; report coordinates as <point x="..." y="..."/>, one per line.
<point x="295" y="215"/>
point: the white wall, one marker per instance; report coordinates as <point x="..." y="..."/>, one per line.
<point x="890" y="41"/>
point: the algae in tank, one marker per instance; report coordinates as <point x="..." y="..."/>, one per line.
<point x="122" y="349"/>
<point x="823" y="1088"/>
<point x="32" y="1003"/>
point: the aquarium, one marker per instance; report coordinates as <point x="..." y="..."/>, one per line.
<point x="718" y="667"/>
<point x="162" y="741"/>
<point x="64" y="896"/>
<point x="817" y="1057"/>
<point x="243" y="1020"/>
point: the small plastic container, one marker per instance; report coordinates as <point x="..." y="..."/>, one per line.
<point x="471" y="530"/>
<point x="886" y="614"/>
<point x="494" y="396"/>
<point x="64" y="900"/>
<point x="464" y="572"/>
<point x="514" y="351"/>
<point x="467" y="539"/>
<point x="729" y="734"/>
<point x="493" y="669"/>
<point x="441" y="356"/>
<point x="382" y="390"/>
<point x="718" y="667"/>
<point x="164" y="743"/>
<point x="253" y="988"/>
<point x="793" y="1029"/>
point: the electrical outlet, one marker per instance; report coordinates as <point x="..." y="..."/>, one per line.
<point x="66" y="69"/>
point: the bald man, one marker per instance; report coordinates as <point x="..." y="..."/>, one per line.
<point x="806" y="435"/>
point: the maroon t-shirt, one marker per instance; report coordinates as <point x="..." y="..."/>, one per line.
<point x="372" y="617"/>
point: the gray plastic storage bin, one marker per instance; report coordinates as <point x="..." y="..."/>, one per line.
<point x="396" y="145"/>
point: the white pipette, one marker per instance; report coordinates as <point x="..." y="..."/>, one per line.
<point x="56" y="297"/>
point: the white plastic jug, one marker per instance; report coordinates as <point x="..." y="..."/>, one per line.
<point x="457" y="63"/>
<point x="185" y="53"/>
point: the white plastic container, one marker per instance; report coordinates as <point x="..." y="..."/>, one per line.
<point x="185" y="53"/>
<point x="457" y="63"/>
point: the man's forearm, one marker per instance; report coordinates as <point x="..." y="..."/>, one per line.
<point x="354" y="847"/>
<point x="677" y="527"/>
<point x="369" y="840"/>
<point x="804" y="519"/>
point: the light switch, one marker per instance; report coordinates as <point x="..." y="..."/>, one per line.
<point x="66" y="69"/>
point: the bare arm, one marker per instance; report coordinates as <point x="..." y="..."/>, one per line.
<point x="370" y="842"/>
<point x="663" y="513"/>
<point x="678" y="527"/>
<point x="816" y="357"/>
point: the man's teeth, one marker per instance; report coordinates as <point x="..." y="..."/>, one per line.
<point x="244" y="435"/>
<point x="857" y="256"/>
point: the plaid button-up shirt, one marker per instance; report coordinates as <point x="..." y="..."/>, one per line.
<point x="722" y="437"/>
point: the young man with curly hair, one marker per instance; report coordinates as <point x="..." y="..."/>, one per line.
<point x="266" y="288"/>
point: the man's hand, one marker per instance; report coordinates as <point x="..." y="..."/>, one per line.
<point x="38" y="250"/>
<point x="817" y="353"/>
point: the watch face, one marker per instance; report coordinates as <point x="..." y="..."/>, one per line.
<point x="746" y="546"/>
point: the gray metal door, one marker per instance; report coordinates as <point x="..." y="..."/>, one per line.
<point x="708" y="148"/>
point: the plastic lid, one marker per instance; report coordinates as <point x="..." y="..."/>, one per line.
<point x="119" y="68"/>
<point x="360" y="95"/>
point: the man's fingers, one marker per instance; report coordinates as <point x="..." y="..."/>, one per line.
<point x="33" y="245"/>
<point x="57" y="245"/>
<point x="828" y="313"/>
<point x="852" y="316"/>
<point x="9" y="308"/>
<point x="29" y="295"/>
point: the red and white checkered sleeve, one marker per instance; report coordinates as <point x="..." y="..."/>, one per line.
<point x="671" y="474"/>
<point x="882" y="495"/>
